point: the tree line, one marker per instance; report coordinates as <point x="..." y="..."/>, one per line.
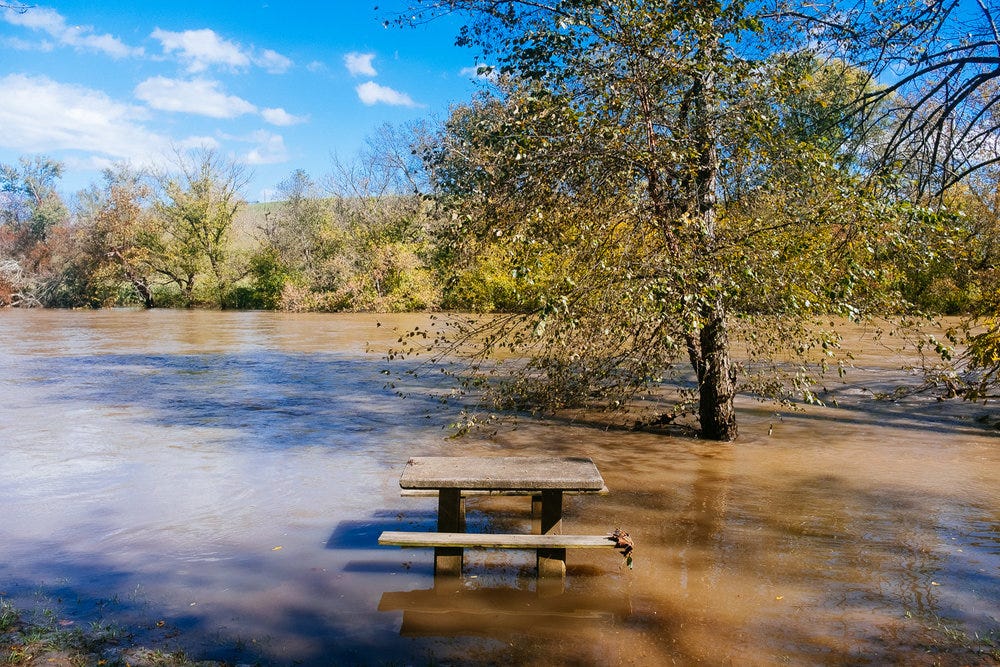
<point x="185" y="236"/>
<point x="392" y="230"/>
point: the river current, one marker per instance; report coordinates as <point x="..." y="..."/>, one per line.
<point x="216" y="482"/>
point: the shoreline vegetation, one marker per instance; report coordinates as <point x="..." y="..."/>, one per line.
<point x="48" y="636"/>
<point x="334" y="246"/>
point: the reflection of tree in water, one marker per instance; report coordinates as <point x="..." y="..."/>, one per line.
<point x="702" y="521"/>
<point x="877" y="553"/>
<point x="816" y="563"/>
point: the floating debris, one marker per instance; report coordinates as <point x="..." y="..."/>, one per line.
<point x="624" y="542"/>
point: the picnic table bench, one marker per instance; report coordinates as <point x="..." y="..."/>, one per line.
<point x="546" y="479"/>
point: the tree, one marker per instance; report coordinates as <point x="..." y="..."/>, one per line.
<point x="646" y="171"/>
<point x="941" y="62"/>
<point x="123" y="231"/>
<point x="31" y="204"/>
<point x="197" y="207"/>
<point x="378" y="201"/>
<point x="15" y="6"/>
<point x="294" y="229"/>
<point x="30" y="208"/>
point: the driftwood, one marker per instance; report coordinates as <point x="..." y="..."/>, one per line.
<point x="624" y="542"/>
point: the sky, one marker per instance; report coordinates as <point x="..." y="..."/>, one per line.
<point x="279" y="85"/>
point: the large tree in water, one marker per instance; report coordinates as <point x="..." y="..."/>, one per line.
<point x="667" y="181"/>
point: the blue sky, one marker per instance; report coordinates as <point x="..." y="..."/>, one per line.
<point x="277" y="84"/>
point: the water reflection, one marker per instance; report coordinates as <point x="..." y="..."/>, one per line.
<point x="270" y="399"/>
<point x="697" y="528"/>
<point x="451" y="610"/>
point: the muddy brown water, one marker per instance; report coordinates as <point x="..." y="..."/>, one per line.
<point x="216" y="482"/>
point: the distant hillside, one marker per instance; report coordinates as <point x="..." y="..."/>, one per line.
<point x="250" y="221"/>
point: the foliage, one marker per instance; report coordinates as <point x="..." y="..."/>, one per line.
<point x="294" y="230"/>
<point x="361" y="243"/>
<point x="196" y="210"/>
<point x="121" y="233"/>
<point x="983" y="362"/>
<point x="29" y="637"/>
<point x="32" y="207"/>
<point x="268" y="277"/>
<point x="664" y="183"/>
<point x="10" y="616"/>
<point x="31" y="213"/>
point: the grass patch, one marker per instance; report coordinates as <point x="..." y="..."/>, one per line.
<point x="944" y="636"/>
<point x="44" y="638"/>
<point x="27" y="638"/>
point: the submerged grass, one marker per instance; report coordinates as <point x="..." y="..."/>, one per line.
<point x="946" y="639"/>
<point x="43" y="638"/>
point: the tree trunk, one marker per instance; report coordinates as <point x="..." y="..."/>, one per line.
<point x="145" y="294"/>
<point x="713" y="365"/>
<point x="142" y="289"/>
<point x="716" y="380"/>
<point x="187" y="290"/>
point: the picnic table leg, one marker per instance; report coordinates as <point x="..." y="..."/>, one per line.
<point x="536" y="514"/>
<point x="551" y="562"/>
<point x="451" y="519"/>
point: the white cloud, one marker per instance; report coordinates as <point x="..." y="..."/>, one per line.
<point x="19" y="44"/>
<point x="201" y="49"/>
<point x="316" y="66"/>
<point x="197" y="96"/>
<point x="90" y="162"/>
<point x="40" y="115"/>
<point x="270" y="149"/>
<point x="205" y="97"/>
<point x="371" y="93"/>
<point x="84" y="38"/>
<point x="360" y="64"/>
<point x="272" y="61"/>
<point x="281" y="117"/>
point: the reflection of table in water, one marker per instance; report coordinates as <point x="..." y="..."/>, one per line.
<point x="497" y="611"/>
<point x="546" y="479"/>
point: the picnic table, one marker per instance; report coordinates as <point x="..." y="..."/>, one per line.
<point x="546" y="479"/>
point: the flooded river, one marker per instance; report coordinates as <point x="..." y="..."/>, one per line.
<point x="216" y="482"/>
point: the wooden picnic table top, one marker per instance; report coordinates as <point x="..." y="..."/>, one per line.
<point x="510" y="473"/>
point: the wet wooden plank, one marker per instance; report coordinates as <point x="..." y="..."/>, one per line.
<point x="508" y="473"/>
<point x="486" y="493"/>
<point x="493" y="540"/>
